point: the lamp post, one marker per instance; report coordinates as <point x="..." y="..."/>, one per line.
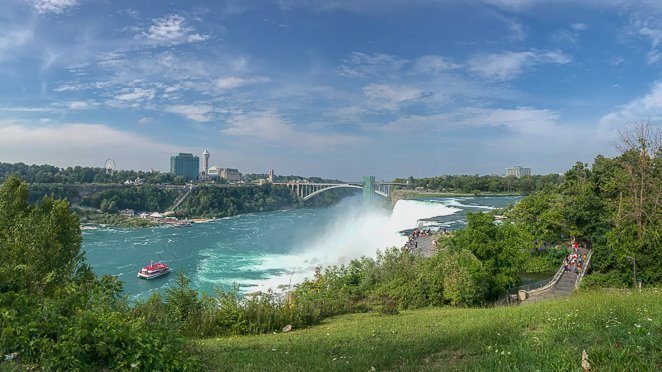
<point x="634" y="268"/>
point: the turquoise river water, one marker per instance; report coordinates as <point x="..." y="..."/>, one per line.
<point x="258" y="251"/>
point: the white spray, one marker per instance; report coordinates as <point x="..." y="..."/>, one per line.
<point x="354" y="232"/>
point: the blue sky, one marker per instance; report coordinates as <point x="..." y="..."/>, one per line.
<point x="331" y="88"/>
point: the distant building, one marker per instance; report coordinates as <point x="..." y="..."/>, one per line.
<point x="271" y="176"/>
<point x="185" y="165"/>
<point x="518" y="171"/>
<point x="127" y="213"/>
<point x="214" y="173"/>
<point x="205" y="161"/>
<point x="230" y="174"/>
<point x="137" y="182"/>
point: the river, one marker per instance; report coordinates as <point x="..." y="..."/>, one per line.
<point x="258" y="251"/>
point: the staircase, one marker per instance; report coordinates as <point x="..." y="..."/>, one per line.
<point x="562" y="284"/>
<point x="180" y="199"/>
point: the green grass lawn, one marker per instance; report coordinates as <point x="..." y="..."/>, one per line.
<point x="620" y="330"/>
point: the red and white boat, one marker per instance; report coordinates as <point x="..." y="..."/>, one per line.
<point x="153" y="270"/>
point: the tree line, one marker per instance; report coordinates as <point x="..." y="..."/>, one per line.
<point x="487" y="183"/>
<point x="46" y="174"/>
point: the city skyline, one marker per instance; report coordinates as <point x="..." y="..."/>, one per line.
<point x="336" y="89"/>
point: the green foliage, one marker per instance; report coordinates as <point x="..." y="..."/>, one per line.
<point x="39" y="244"/>
<point x="47" y="174"/>
<point x="80" y="329"/>
<point x="501" y="248"/>
<point x="614" y="205"/>
<point x="229" y="201"/>
<point x="546" y="260"/>
<point x="477" y="184"/>
<point x="143" y="198"/>
<point x="54" y="312"/>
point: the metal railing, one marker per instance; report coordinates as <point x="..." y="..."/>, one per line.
<point x="587" y="264"/>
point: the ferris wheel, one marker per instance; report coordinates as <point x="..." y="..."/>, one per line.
<point x="109" y="165"/>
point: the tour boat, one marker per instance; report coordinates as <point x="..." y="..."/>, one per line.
<point x="153" y="270"/>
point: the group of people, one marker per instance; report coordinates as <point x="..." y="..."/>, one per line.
<point x="575" y="261"/>
<point x="412" y="244"/>
<point x="417" y="233"/>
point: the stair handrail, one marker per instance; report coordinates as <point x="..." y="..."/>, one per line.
<point x="555" y="279"/>
<point x="179" y="200"/>
<point x="584" y="269"/>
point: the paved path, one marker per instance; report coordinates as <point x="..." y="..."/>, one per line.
<point x="425" y="245"/>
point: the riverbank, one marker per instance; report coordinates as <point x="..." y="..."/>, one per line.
<point x="620" y="330"/>
<point x="113" y="220"/>
<point x="413" y="194"/>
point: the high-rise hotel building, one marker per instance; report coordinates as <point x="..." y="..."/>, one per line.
<point x="185" y="165"/>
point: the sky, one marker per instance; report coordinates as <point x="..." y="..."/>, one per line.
<point x="330" y="88"/>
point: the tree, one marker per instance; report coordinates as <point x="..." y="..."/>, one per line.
<point x="179" y="180"/>
<point x="40" y="245"/>
<point x="641" y="146"/>
<point x="500" y="248"/>
<point x="637" y="228"/>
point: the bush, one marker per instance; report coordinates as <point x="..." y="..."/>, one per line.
<point x="77" y="331"/>
<point x="611" y="279"/>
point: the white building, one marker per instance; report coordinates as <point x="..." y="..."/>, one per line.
<point x="214" y="172"/>
<point x="518" y="171"/>
<point x="231" y="174"/>
<point x="205" y="162"/>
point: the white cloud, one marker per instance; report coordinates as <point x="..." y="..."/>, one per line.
<point x="12" y="39"/>
<point x="579" y="26"/>
<point x="199" y="113"/>
<point x="273" y="129"/>
<point x="432" y="64"/>
<point x="383" y="96"/>
<point x="78" y="144"/>
<point x="77" y="105"/>
<point x="350" y="113"/>
<point x="648" y="106"/>
<point x="26" y="109"/>
<point x="145" y="120"/>
<point x="523" y="120"/>
<point x="232" y="82"/>
<point x="136" y="94"/>
<point x="171" y="30"/>
<point x="53" y="6"/>
<point x="370" y="65"/>
<point x="517" y="29"/>
<point x="509" y="65"/>
<point x="655" y="37"/>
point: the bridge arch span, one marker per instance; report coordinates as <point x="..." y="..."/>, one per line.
<point x="346" y="186"/>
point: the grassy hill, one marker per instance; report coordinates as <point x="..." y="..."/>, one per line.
<point x="620" y="330"/>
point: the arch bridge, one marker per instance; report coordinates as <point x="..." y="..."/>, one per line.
<point x="307" y="190"/>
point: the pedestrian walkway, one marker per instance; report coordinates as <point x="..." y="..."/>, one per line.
<point x="564" y="282"/>
<point x="424" y="245"/>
